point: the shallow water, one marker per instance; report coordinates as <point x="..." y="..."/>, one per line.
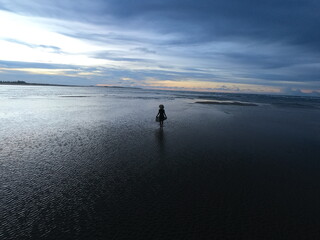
<point x="91" y="163"/>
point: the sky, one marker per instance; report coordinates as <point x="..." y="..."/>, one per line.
<point x="247" y="46"/>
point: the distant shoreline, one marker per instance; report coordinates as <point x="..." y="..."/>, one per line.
<point x="23" y="83"/>
<point x="119" y="87"/>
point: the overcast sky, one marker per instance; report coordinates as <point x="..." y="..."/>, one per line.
<point x="251" y="46"/>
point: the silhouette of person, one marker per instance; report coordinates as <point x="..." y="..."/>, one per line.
<point x="161" y="114"/>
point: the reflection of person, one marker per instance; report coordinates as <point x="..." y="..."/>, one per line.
<point x="161" y="114"/>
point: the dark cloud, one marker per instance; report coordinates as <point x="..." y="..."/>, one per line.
<point x="291" y="21"/>
<point x="270" y="61"/>
<point x="288" y="22"/>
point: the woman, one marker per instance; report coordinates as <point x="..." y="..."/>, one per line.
<point x="161" y="114"/>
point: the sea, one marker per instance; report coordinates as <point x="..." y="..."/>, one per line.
<point x="92" y="163"/>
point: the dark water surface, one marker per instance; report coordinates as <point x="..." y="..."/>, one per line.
<point x="91" y="163"/>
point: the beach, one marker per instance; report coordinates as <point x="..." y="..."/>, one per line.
<point x="92" y="163"/>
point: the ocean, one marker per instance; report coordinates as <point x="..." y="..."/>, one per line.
<point x="92" y="163"/>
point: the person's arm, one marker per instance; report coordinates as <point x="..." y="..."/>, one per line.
<point x="158" y="114"/>
<point x="164" y="113"/>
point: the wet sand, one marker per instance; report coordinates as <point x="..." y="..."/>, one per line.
<point x="212" y="172"/>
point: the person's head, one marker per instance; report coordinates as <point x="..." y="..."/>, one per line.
<point x="161" y="106"/>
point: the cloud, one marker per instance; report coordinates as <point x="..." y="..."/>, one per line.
<point x="198" y="21"/>
<point x="193" y="84"/>
<point x="50" y="71"/>
<point x="300" y="91"/>
<point x="119" y="56"/>
<point x="50" y="48"/>
<point x="272" y="43"/>
<point x="144" y="50"/>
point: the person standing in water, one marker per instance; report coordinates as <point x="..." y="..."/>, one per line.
<point x="161" y="114"/>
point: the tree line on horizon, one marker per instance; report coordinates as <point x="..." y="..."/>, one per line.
<point x="17" y="82"/>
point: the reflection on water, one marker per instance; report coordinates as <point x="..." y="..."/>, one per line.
<point x="161" y="141"/>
